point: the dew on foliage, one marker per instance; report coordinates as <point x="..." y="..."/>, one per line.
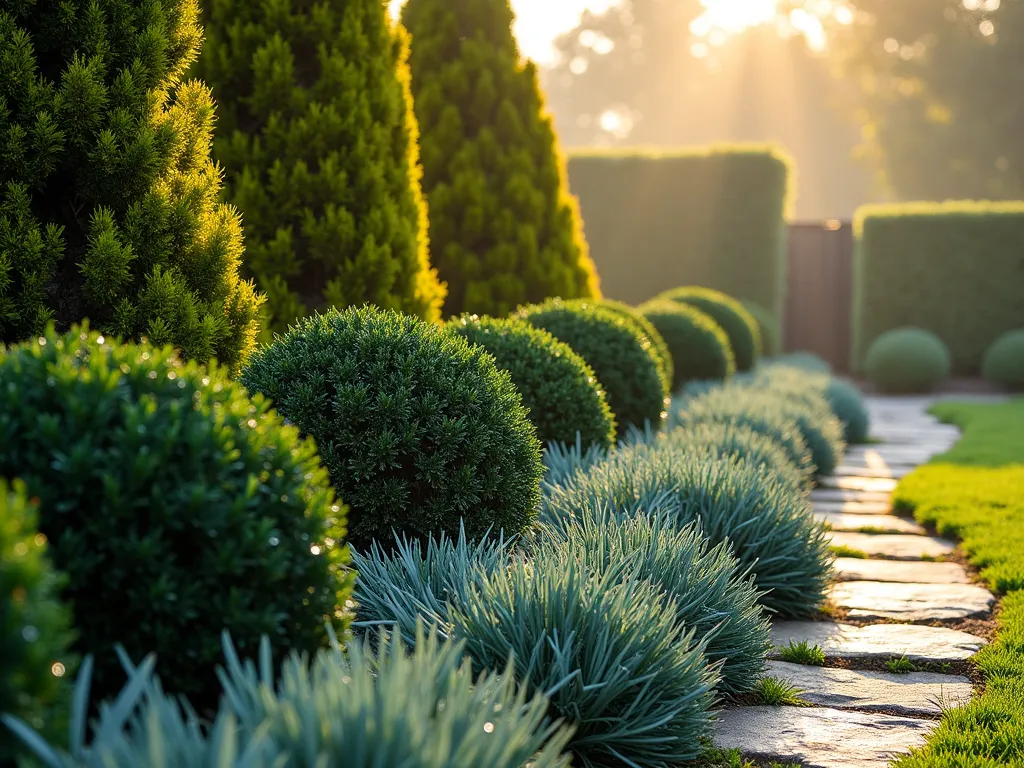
<point x="57" y="669"/>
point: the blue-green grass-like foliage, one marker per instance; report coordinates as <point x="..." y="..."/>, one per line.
<point x="361" y="708"/>
<point x="723" y="406"/>
<point x="711" y="594"/>
<point x="419" y="430"/>
<point x="807" y="361"/>
<point x="821" y="431"/>
<point x="607" y="650"/>
<point x="847" y="404"/>
<point x="562" y="461"/>
<point x="768" y="525"/>
<point x="412" y="581"/>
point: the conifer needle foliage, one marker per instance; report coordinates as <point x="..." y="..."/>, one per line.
<point x="504" y="230"/>
<point x="108" y="196"/>
<point x="318" y="142"/>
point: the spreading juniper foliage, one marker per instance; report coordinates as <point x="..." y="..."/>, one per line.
<point x="712" y="595"/>
<point x="607" y="650"/>
<point x="731" y="439"/>
<point x="318" y="141"/>
<point x="177" y="505"/>
<point x="34" y="626"/>
<point x="400" y="586"/>
<point x="363" y="708"/>
<point x="418" y="429"/>
<point x="699" y="348"/>
<point x="768" y="525"/>
<point x="739" y="325"/>
<point x="661" y="351"/>
<point x="559" y="389"/>
<point x="504" y="229"/>
<point x="718" y="405"/>
<point x="620" y="355"/>
<point x="108" y="195"/>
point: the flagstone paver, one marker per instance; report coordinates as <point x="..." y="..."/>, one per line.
<point x="851" y="719"/>
<point x="874" y="600"/>
<point x="916" y="694"/>
<point x="817" y="737"/>
<point x="839" y="521"/>
<point x="908" y="571"/>
<point x="893" y="545"/>
<point x="879" y="642"/>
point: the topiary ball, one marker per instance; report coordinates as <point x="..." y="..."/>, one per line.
<point x="738" y="324"/>
<point x="178" y="507"/>
<point x="847" y="404"/>
<point x="419" y="430"/>
<point x="1004" y="361"/>
<point x="907" y="360"/>
<point x="768" y="326"/>
<point x="619" y="354"/>
<point x="34" y="626"/>
<point x="559" y="389"/>
<point x="699" y="347"/>
<point x="660" y="347"/>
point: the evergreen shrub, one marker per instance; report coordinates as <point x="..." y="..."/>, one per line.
<point x="504" y="230"/>
<point x="633" y="684"/>
<point x="559" y="389"/>
<point x="768" y="526"/>
<point x="1004" y="361"/>
<point x="619" y="354"/>
<point x="177" y="505"/>
<point x="108" y="197"/>
<point x="699" y="348"/>
<point x="318" y="141"/>
<point x="738" y="324"/>
<point x="419" y="430"/>
<point x="907" y="360"/>
<point x="769" y="326"/>
<point x="646" y="327"/>
<point x="35" y="627"/>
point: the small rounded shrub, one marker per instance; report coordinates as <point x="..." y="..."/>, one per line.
<point x="699" y="347"/>
<point x="559" y="389"/>
<point x="907" y="360"/>
<point x="726" y="439"/>
<point x="738" y="324"/>
<point x="1004" y="361"/>
<point x="34" y="625"/>
<point x="805" y="361"/>
<point x="722" y="406"/>
<point x="768" y="325"/>
<point x="847" y="404"/>
<point x="768" y="526"/>
<point x="710" y="593"/>
<point x="418" y="429"/>
<point x="619" y="354"/>
<point x="606" y="646"/>
<point x="177" y="506"/>
<point x="632" y="314"/>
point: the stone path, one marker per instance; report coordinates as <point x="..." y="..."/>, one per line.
<point x="860" y="711"/>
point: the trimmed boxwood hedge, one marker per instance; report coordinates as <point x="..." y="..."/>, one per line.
<point x="699" y="347"/>
<point x="560" y="391"/>
<point x="738" y="324"/>
<point x="1004" y="360"/>
<point x="907" y="360"/>
<point x="621" y="356"/>
<point x="661" y="350"/>
<point x="419" y="430"/>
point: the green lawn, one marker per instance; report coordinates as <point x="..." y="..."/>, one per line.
<point x="975" y="493"/>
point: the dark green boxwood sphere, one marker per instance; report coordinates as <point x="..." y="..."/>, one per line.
<point x="907" y="360"/>
<point x="1004" y="361"/>
<point x="418" y="429"/>
<point x="661" y="351"/>
<point x="178" y="507"/>
<point x="738" y="324"/>
<point x="559" y="389"/>
<point x="699" y="347"/>
<point x="620" y="355"/>
<point x="769" y="327"/>
<point x="35" y="633"/>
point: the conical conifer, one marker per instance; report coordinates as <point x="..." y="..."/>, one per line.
<point x="108" y="195"/>
<point x="318" y="141"/>
<point x="504" y="229"/>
